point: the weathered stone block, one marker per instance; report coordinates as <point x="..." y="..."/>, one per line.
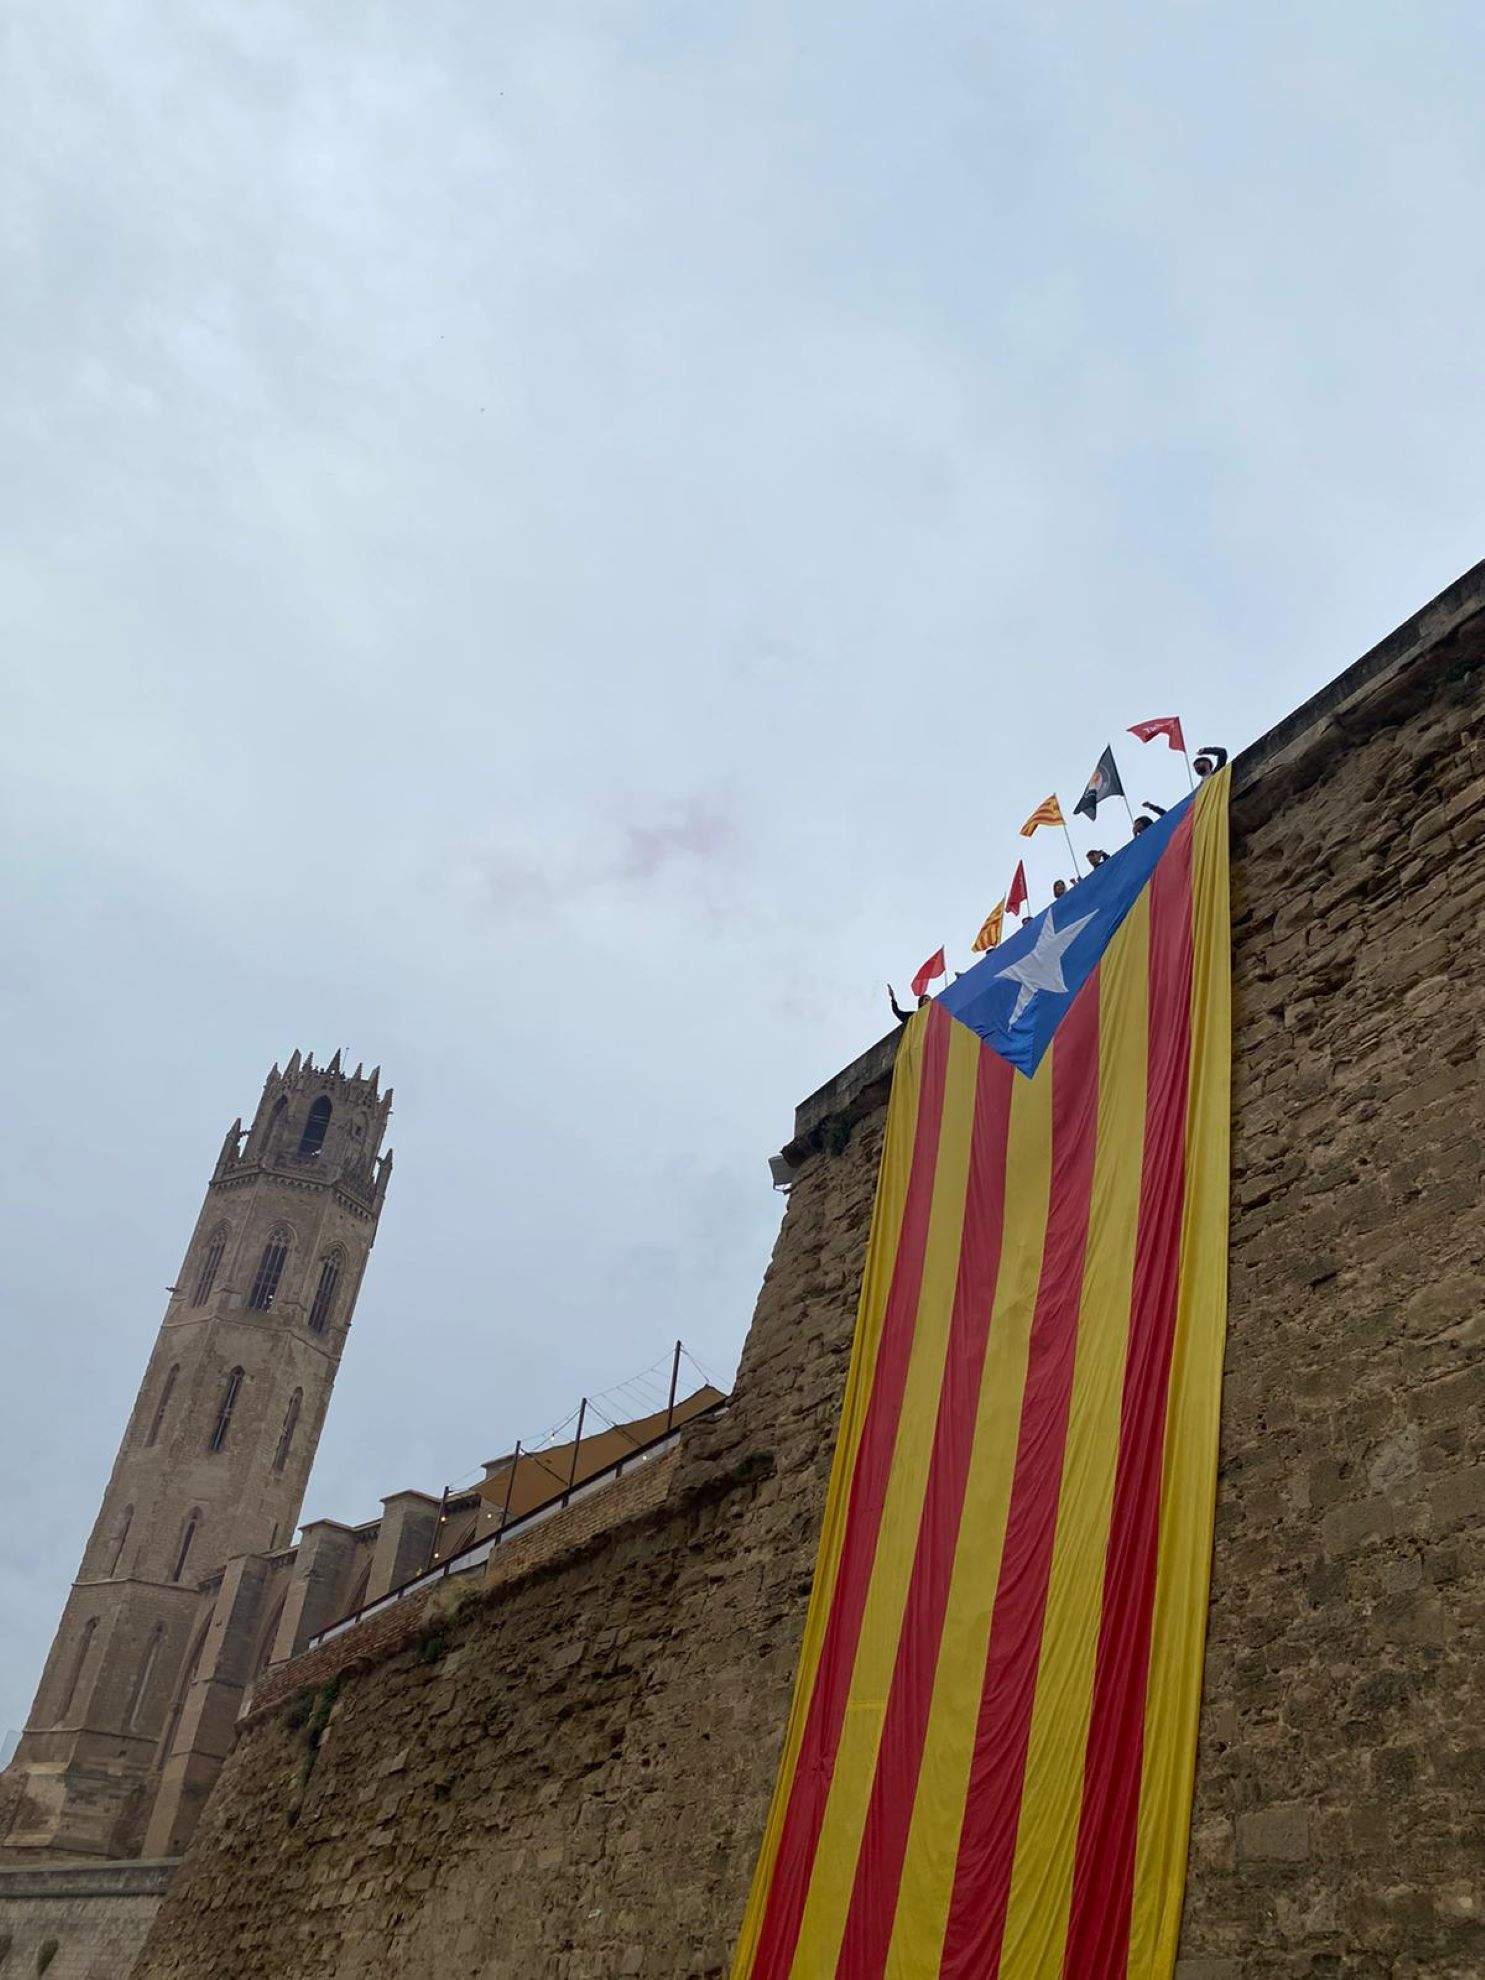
<point x="1276" y="1835"/>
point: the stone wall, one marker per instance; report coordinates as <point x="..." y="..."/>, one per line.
<point x="95" y="1916"/>
<point x="1341" y="1780"/>
<point x="593" y="1513"/>
<point x="570" y="1778"/>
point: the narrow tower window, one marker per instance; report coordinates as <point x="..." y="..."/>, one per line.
<point x="207" y="1277"/>
<point x="85" y="1644"/>
<point x="167" y="1389"/>
<point x="286" y="1438"/>
<point x="270" y="1271"/>
<point x="183" y="1684"/>
<point x="188" y="1535"/>
<point x="313" y="1138"/>
<point x="324" y="1299"/>
<point x="146" y="1671"/>
<point x="118" y="1550"/>
<point x="224" y="1414"/>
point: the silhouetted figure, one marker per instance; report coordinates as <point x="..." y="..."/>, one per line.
<point x="1208" y="761"/>
<point x="1142" y="824"/>
<point x="1096" y="858"/>
<point x="1059" y="888"/>
<point x="898" y="1012"/>
<point x="1158" y="809"/>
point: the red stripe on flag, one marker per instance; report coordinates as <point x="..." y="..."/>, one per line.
<point x="816" y="1764"/>
<point x="992" y="1807"/>
<point x="1103" y="1882"/>
<point x="889" y="1814"/>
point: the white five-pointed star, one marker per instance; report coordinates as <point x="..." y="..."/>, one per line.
<point x="1041" y="967"/>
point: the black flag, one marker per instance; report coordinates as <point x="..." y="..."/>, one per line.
<point x="1104" y="783"/>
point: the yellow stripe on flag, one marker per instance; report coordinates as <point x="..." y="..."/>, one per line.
<point x="886" y="1225"/>
<point x="823" y="1924"/>
<point x="1189" y="1482"/>
<point x="933" y="1839"/>
<point x="1046" y="1840"/>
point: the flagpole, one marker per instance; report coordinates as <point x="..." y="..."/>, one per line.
<point x="1125" y="796"/>
<point x="1190" y="775"/>
<point x="1071" y="848"/>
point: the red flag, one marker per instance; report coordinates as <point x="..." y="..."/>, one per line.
<point x="1017" y="898"/>
<point x="1168" y="726"/>
<point x="935" y="966"/>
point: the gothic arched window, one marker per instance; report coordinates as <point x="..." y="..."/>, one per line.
<point x="324" y="1299"/>
<point x="140" y="1691"/>
<point x="85" y="1644"/>
<point x="183" y="1685"/>
<point x="286" y="1437"/>
<point x="206" y="1278"/>
<point x="188" y="1535"/>
<point x="224" y="1411"/>
<point x="270" y="1270"/>
<point x="118" y="1549"/>
<point x="167" y="1389"/>
<point x="313" y="1138"/>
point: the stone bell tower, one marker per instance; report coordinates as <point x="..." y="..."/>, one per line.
<point x="215" y="1459"/>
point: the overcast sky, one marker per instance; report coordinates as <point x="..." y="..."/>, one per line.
<point x="554" y="547"/>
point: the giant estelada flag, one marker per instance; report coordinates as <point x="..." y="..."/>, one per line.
<point x="988" y="1764"/>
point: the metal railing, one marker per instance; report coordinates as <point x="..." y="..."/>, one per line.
<point x="477" y="1552"/>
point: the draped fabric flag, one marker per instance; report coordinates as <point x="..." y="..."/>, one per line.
<point x="988" y="1763"/>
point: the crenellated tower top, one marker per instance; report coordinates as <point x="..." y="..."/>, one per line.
<point x="315" y="1122"/>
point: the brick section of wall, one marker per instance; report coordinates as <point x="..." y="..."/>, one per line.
<point x="382" y="1635"/>
<point x="97" y="1916"/>
<point x="576" y="1786"/>
<point x="628" y="1496"/>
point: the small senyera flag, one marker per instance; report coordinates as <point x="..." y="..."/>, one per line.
<point x="1104" y="783"/>
<point x="1168" y="726"/>
<point x="989" y="935"/>
<point x="1048" y="812"/>
<point x="1017" y="900"/>
<point x="935" y="966"/>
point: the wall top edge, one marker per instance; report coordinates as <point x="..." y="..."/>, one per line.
<point x="1345" y="707"/>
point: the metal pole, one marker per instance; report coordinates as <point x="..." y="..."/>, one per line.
<point x="1068" y="836"/>
<point x="577" y="1444"/>
<point x="510" y="1485"/>
<point x="443" y="1500"/>
<point x="1126" y="807"/>
<point x="675" y="1375"/>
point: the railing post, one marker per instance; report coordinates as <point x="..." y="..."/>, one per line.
<point x="577" y="1444"/>
<point x="675" y="1376"/>
<point x="443" y="1506"/>
<point x="510" y="1486"/>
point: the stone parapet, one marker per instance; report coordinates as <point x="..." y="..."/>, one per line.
<point x="96" y="1916"/>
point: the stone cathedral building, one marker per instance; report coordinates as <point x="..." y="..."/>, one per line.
<point x="135" y="1706"/>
